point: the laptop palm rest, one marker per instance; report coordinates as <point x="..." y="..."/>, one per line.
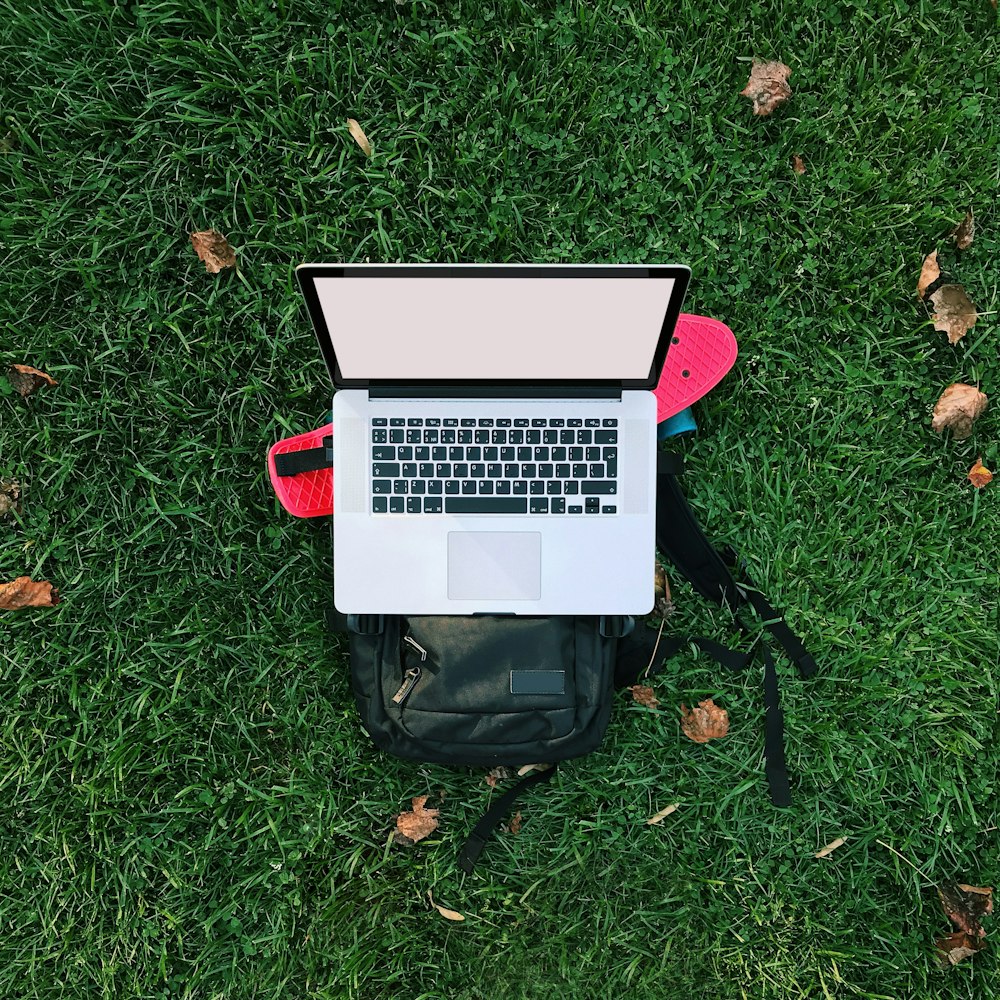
<point x="494" y="565"/>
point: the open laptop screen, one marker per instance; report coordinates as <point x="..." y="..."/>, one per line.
<point x="516" y="325"/>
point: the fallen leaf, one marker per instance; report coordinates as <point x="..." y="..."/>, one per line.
<point x="966" y="905"/>
<point x="662" y="814"/>
<point x="515" y="823"/>
<point x="10" y="496"/>
<point x="498" y="774"/>
<point x="979" y="475"/>
<point x="768" y="86"/>
<point x="528" y="768"/>
<point x="831" y="847"/>
<point x="358" y="134"/>
<point x="958" y="408"/>
<point x="797" y="165"/>
<point x="419" y="822"/>
<point x="706" y="722"/>
<point x="663" y="602"/>
<point x="954" y="313"/>
<point x="929" y="273"/>
<point x="28" y="380"/>
<point x="644" y="695"/>
<point x="957" y="946"/>
<point x="214" y="249"/>
<point x="443" y="910"/>
<point x="27" y="593"/>
<point x="965" y="231"/>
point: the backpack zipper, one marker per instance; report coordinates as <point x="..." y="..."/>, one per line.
<point x="412" y="675"/>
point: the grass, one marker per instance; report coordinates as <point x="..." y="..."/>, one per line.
<point x="188" y="807"/>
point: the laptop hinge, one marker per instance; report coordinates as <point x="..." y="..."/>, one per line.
<point x="494" y="392"/>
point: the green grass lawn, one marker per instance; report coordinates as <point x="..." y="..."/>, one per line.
<point x="188" y="807"/>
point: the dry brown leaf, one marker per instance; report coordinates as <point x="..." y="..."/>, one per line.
<point x="10" y="496"/>
<point x="958" y="408"/>
<point x="966" y="905"/>
<point x="831" y="847"/>
<point x="768" y="86"/>
<point x="358" y="134"/>
<point x="214" y="249"/>
<point x="27" y="593"/>
<point x="797" y="165"/>
<point x="706" y="722"/>
<point x="929" y="273"/>
<point x="957" y="946"/>
<point x="27" y="379"/>
<point x="965" y="231"/>
<point x="979" y="475"/>
<point x="528" y="768"/>
<point x="954" y="312"/>
<point x="662" y="814"/>
<point x="663" y="602"/>
<point x="419" y="822"/>
<point x="515" y="823"/>
<point x="644" y="695"/>
<point x="443" y="910"/>
<point x="498" y="774"/>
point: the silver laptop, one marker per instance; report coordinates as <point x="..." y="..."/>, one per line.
<point x="494" y="433"/>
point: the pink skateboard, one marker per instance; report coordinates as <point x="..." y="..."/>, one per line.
<point x="703" y="350"/>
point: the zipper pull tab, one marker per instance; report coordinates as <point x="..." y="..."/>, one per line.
<point x="410" y="641"/>
<point x="410" y="679"/>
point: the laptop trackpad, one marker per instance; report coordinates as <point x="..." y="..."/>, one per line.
<point x="494" y="565"/>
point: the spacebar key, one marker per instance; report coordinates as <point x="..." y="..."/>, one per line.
<point x="486" y="505"/>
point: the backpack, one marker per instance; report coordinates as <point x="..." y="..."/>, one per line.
<point x="489" y="690"/>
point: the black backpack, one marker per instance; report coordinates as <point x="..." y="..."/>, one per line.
<point x="489" y="690"/>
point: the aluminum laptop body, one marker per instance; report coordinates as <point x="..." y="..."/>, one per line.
<point x="494" y="433"/>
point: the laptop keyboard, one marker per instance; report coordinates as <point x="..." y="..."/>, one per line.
<point x="468" y="465"/>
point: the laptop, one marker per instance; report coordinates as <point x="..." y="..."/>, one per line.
<point x="494" y="433"/>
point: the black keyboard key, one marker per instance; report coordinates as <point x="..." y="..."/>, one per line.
<point x="383" y="469"/>
<point x="439" y="453"/>
<point x="490" y="454"/>
<point x="593" y="454"/>
<point x="550" y="437"/>
<point x="422" y="453"/>
<point x="541" y="454"/>
<point x="503" y="422"/>
<point x="383" y="453"/>
<point x="382" y="486"/>
<point x="460" y="470"/>
<point x="485" y="505"/>
<point x="611" y="509"/>
<point x="397" y="505"/>
<point x="399" y="486"/>
<point x="536" y="487"/>
<point x="545" y="470"/>
<point x="447" y="437"/>
<point x="432" y="422"/>
<point x="465" y="437"/>
<point x="611" y="461"/>
<point x="559" y="454"/>
<point x="507" y="454"/>
<point x="379" y="437"/>
<point x="520" y="487"/>
<point x="432" y="505"/>
<point x="574" y="422"/>
<point x="567" y="437"/>
<point x="533" y="437"/>
<point x="599" y="486"/>
<point x="413" y="505"/>
<point x="451" y="421"/>
<point x="529" y="470"/>
<point x="502" y="486"/>
<point x="482" y="437"/>
<point x="485" y="421"/>
<point x="516" y="437"/>
<point x="468" y="486"/>
<point x="404" y="453"/>
<point x="413" y="436"/>
<point x="477" y="470"/>
<point x="380" y="505"/>
<point x="417" y="487"/>
<point x="575" y="508"/>
<point x="605" y="437"/>
<point x="596" y="470"/>
<point x="493" y="470"/>
<point x="584" y="437"/>
<point x="539" y="505"/>
<point x="609" y="422"/>
<point x="557" y="422"/>
<point x="499" y="437"/>
<point x="553" y="487"/>
<point x="520" y="421"/>
<point x="415" y="422"/>
<point x="539" y="422"/>
<point x="426" y="470"/>
<point x="485" y="487"/>
<point x="434" y="486"/>
<point x="592" y="503"/>
<point x="562" y="470"/>
<point x="576" y="454"/>
<point x="396" y="437"/>
<point x="431" y="436"/>
<point x="397" y="422"/>
<point x="468" y="421"/>
<point x="511" y="470"/>
<point x="571" y="487"/>
<point x="409" y="469"/>
<point x="592" y="422"/>
<point x="579" y="470"/>
<point x="524" y="454"/>
<point x="451" y="486"/>
<point x="443" y="469"/>
<point x="474" y="454"/>
<point x="379" y="421"/>
<point x="456" y="453"/>
<point x="558" y="505"/>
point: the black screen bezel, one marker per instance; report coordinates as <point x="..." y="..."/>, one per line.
<point x="308" y="273"/>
